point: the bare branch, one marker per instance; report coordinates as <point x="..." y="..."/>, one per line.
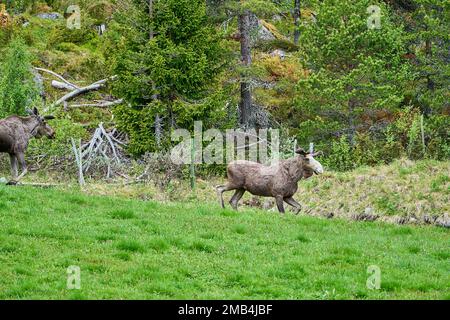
<point x="73" y="86"/>
<point x="100" y="104"/>
<point x="95" y="86"/>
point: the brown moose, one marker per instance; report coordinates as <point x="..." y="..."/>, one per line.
<point x="15" y="134"/>
<point x="279" y="180"/>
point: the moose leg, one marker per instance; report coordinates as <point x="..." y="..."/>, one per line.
<point x="236" y="197"/>
<point x="295" y="204"/>
<point x="23" y="165"/>
<point x="14" y="171"/>
<point x="221" y="189"/>
<point x="280" y="206"/>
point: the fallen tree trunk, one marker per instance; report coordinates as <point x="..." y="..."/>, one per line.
<point x="39" y="185"/>
<point x="99" y="104"/>
<point x="61" y="85"/>
<point x="76" y="91"/>
<point x="95" y="86"/>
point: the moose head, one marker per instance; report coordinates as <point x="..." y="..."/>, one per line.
<point x="42" y="129"/>
<point x="310" y="163"/>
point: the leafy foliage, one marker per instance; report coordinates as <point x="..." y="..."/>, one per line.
<point x="17" y="87"/>
<point x="59" y="147"/>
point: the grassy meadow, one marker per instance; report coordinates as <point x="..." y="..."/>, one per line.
<point x="135" y="249"/>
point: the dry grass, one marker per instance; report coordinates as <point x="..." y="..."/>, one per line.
<point x="402" y="192"/>
<point x="288" y="68"/>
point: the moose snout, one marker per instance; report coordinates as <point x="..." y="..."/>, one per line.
<point x="52" y="135"/>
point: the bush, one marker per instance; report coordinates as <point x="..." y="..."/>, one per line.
<point x="60" y="148"/>
<point x="75" y="36"/>
<point x="340" y="157"/>
<point x="437" y="137"/>
<point x="402" y="137"/>
<point x="368" y="151"/>
<point x="17" y="87"/>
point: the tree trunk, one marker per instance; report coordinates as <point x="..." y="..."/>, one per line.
<point x="246" y="59"/>
<point x="297" y="15"/>
<point x="351" y="121"/>
<point x="150" y="13"/>
<point x="351" y="116"/>
<point x="158" y="121"/>
<point x="430" y="83"/>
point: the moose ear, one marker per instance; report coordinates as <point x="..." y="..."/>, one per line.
<point x="301" y="152"/>
<point x="35" y="111"/>
<point x="49" y="117"/>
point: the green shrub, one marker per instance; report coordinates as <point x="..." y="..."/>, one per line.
<point x="341" y="157"/>
<point x="61" y="34"/>
<point x="6" y="34"/>
<point x="60" y="147"/>
<point x="367" y="151"/>
<point x="437" y="136"/>
<point x="17" y="87"/>
<point x="402" y="137"/>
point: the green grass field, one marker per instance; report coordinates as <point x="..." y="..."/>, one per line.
<point x="129" y="249"/>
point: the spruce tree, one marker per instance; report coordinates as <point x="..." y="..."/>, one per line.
<point x="168" y="58"/>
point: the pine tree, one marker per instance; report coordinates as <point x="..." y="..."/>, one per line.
<point x="429" y="44"/>
<point x="355" y="69"/>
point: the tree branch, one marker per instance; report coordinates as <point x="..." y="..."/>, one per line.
<point x="71" y="85"/>
<point x="100" y="104"/>
<point x="95" y="86"/>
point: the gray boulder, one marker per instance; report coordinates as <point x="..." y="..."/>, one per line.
<point x="443" y="221"/>
<point x="258" y="31"/>
<point x="278" y="53"/>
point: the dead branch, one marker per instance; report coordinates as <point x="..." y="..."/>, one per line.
<point x="61" y="85"/>
<point x="104" y="150"/>
<point x="110" y="142"/>
<point x="69" y="84"/>
<point x="99" y="104"/>
<point x="95" y="86"/>
<point x="39" y="185"/>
